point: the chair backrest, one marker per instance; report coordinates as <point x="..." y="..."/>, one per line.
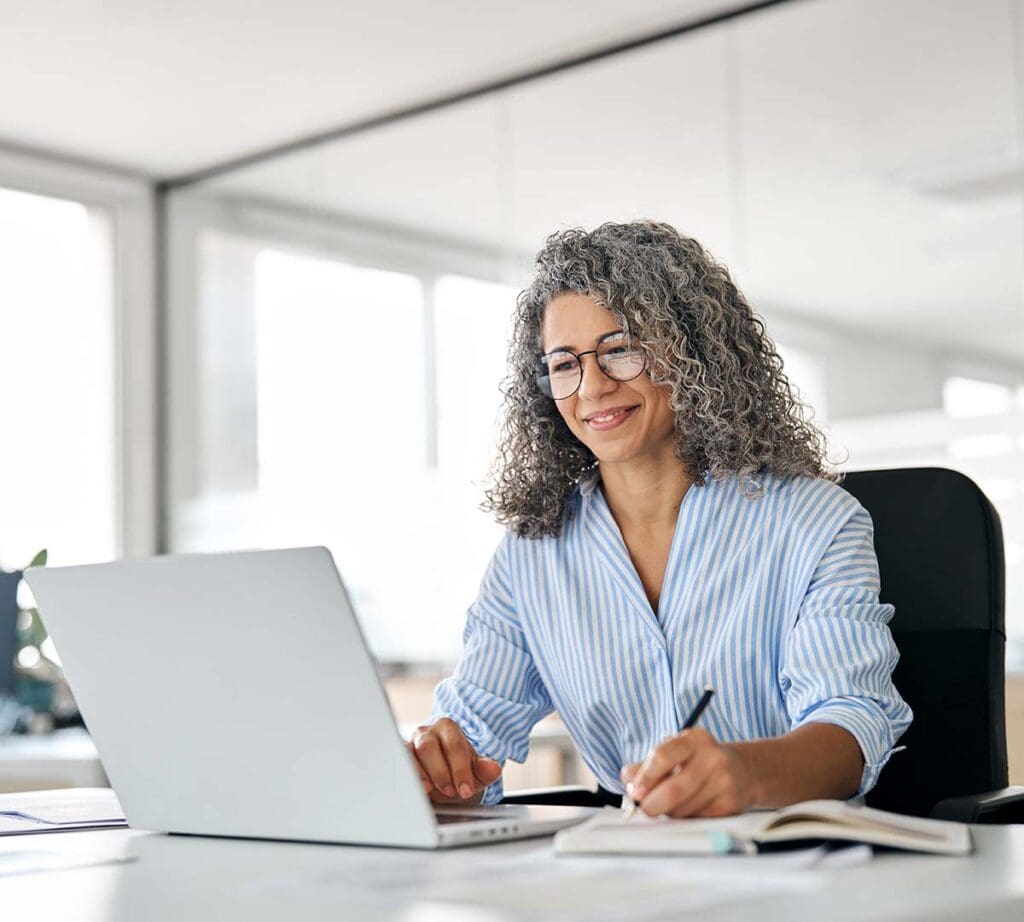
<point x="940" y="556"/>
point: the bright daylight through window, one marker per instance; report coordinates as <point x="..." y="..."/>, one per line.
<point x="58" y="487"/>
<point x="346" y="416"/>
<point x="374" y="396"/>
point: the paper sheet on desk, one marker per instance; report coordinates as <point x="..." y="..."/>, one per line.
<point x="47" y="811"/>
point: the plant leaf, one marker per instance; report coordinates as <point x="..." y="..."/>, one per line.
<point x="39" y="560"/>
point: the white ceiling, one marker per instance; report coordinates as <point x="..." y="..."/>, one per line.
<point x="165" y="87"/>
<point x="805" y="145"/>
<point x="800" y="144"/>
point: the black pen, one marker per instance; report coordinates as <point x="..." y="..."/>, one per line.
<point x="691" y="721"/>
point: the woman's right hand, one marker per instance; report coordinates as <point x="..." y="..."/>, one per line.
<point x="448" y="765"/>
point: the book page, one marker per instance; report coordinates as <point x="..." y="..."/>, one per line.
<point x="843" y="820"/>
<point x="610" y="831"/>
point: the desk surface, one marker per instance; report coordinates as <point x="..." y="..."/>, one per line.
<point x="175" y="877"/>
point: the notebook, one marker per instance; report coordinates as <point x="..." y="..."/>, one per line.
<point x="813" y="820"/>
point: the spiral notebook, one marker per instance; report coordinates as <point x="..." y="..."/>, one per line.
<point x="811" y="821"/>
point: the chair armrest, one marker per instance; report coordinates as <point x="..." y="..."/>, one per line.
<point x="568" y="795"/>
<point x="996" y="807"/>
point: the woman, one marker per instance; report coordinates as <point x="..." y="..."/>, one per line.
<point x="672" y="524"/>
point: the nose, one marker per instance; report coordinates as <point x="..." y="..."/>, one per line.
<point x="595" y="383"/>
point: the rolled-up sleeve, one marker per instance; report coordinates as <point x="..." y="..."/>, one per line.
<point x="839" y="656"/>
<point x="495" y="694"/>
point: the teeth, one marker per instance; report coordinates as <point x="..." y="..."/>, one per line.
<point x="605" y="419"/>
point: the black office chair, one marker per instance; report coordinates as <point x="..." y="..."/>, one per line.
<point x="940" y="556"/>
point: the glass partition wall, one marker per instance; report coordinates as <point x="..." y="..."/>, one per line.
<point x="337" y="316"/>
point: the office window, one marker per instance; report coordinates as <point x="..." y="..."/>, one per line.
<point x="352" y="406"/>
<point x="341" y="419"/>
<point x="473" y="320"/>
<point x="964" y="398"/>
<point x="58" y="471"/>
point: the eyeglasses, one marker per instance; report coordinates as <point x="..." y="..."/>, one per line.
<point x="560" y="373"/>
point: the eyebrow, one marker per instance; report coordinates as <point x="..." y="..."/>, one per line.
<point x="596" y="341"/>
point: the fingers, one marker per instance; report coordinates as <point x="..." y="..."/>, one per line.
<point x="683" y="792"/>
<point x="709" y="781"/>
<point x="426" y="745"/>
<point x="447" y="762"/>
<point x="677" y="750"/>
<point x="428" y="785"/>
<point x="721" y="805"/>
<point x="487" y="771"/>
<point x="460" y="756"/>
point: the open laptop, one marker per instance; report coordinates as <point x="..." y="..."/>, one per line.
<point x="233" y="695"/>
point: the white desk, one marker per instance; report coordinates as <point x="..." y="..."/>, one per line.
<point x="175" y="878"/>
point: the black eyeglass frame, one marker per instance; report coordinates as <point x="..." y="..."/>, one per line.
<point x="544" y="379"/>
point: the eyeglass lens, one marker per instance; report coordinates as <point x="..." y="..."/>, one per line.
<point x="560" y="373"/>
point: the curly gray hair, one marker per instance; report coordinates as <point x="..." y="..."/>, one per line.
<point x="736" y="413"/>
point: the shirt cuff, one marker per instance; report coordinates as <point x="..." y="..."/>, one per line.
<point x="494" y="793"/>
<point x="867" y="724"/>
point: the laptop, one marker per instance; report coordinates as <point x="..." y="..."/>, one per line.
<point x="234" y="695"/>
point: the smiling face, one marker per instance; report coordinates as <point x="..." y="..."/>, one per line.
<point x="619" y="421"/>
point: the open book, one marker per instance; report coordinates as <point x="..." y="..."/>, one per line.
<point x="815" y="820"/>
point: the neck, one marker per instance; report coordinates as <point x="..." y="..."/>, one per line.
<point x="644" y="495"/>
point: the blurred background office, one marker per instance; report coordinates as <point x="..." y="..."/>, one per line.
<point x="257" y="266"/>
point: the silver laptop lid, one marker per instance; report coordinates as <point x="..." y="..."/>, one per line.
<point x="233" y="694"/>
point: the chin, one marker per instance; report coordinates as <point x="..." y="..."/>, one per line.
<point x="610" y="454"/>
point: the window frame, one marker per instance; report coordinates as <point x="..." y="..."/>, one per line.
<point x="130" y="204"/>
<point x="188" y="213"/>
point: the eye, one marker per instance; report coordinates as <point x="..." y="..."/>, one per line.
<point x="560" y="363"/>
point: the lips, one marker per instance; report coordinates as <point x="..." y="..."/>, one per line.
<point x="610" y="418"/>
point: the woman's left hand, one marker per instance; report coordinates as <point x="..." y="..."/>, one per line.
<point x="690" y="774"/>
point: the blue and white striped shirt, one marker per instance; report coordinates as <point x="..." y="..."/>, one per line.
<point x="773" y="601"/>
